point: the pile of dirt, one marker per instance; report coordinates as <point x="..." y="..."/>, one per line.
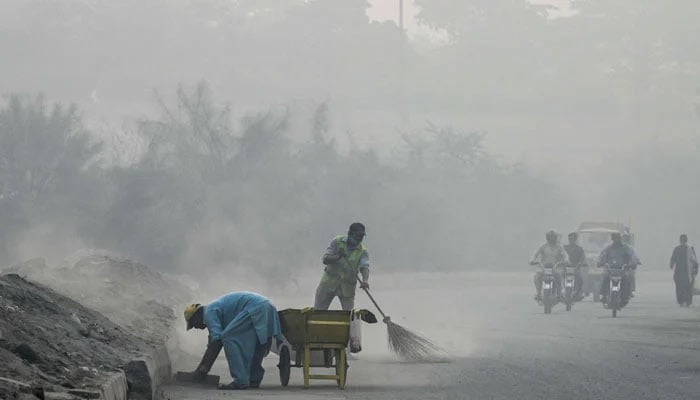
<point x="53" y="342"/>
<point x="129" y="293"/>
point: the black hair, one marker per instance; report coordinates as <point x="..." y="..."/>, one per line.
<point x="357" y="227"/>
<point x="198" y="317"/>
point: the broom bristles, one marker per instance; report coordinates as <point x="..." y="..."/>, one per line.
<point x="411" y="346"/>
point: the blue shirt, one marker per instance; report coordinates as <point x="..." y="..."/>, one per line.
<point x="230" y="310"/>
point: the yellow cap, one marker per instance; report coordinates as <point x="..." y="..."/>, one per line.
<point x="189" y="313"/>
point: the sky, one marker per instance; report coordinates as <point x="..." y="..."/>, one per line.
<point x="388" y="10"/>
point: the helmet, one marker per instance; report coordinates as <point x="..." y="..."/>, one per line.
<point x="190" y="311"/>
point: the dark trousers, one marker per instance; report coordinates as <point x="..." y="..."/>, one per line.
<point x="684" y="288"/>
<point x="578" y="281"/>
<point x="256" y="369"/>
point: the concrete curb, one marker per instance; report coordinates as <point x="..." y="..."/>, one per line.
<point x="140" y="380"/>
<point x="116" y="387"/>
<point x="147" y="373"/>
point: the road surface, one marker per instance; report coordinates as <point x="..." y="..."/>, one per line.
<point x="501" y="345"/>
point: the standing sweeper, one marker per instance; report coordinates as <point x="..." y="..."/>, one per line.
<point x="346" y="264"/>
<point x="345" y="257"/>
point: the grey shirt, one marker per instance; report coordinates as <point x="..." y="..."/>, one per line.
<point x="620" y="254"/>
<point x="551" y="254"/>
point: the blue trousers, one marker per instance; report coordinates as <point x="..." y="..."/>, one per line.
<point x="245" y="354"/>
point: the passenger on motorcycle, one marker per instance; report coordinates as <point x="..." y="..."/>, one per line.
<point x="549" y="253"/>
<point x="617" y="253"/>
<point x="577" y="258"/>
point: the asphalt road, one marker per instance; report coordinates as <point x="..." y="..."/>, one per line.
<point x="501" y="346"/>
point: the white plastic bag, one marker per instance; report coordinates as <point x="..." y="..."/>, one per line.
<point x="355" y="344"/>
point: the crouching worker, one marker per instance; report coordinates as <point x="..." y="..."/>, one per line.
<point x="244" y="324"/>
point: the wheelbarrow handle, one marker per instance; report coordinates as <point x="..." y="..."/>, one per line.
<point x="384" y="317"/>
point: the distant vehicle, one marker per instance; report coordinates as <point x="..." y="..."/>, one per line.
<point x="594" y="237"/>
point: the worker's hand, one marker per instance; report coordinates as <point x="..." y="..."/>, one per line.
<point x="341" y="252"/>
<point x="364" y="285"/>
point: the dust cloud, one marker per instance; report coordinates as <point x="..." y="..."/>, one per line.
<point x="227" y="142"/>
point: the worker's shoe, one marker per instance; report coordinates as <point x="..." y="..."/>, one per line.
<point x="234" y="386"/>
<point x="255" y="385"/>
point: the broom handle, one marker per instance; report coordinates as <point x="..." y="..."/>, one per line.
<point x="372" y="299"/>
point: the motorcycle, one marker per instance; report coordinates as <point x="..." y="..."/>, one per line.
<point x="617" y="295"/>
<point x="550" y="292"/>
<point x="569" y="279"/>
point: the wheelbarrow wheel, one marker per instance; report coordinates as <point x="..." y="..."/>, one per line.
<point x="285" y="365"/>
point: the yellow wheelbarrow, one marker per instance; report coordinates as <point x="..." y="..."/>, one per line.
<point x="322" y="333"/>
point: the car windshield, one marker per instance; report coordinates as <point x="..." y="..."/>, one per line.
<point x="594" y="242"/>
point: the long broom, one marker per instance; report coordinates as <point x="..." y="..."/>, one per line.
<point x="404" y="343"/>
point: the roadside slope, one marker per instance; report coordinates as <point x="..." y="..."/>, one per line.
<point x="52" y="342"/>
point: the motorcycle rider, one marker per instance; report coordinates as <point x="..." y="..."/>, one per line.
<point x="549" y="253"/>
<point x="577" y="257"/>
<point x="616" y="253"/>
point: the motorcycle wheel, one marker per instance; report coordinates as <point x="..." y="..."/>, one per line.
<point x="614" y="303"/>
<point x="569" y="299"/>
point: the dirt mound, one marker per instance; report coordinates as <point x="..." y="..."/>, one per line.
<point x="129" y="293"/>
<point x="49" y="340"/>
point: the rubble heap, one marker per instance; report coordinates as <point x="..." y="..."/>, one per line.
<point x="50" y="341"/>
<point x="129" y="293"/>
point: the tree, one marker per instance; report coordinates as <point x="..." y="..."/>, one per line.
<point x="47" y="166"/>
<point x="645" y="49"/>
